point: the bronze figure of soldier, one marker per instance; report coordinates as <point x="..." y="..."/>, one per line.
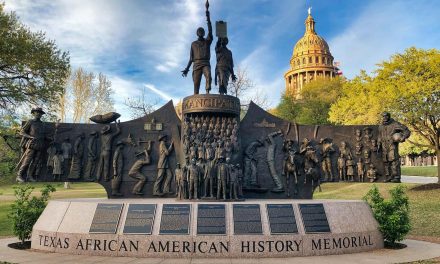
<point x="391" y="133"/>
<point x="200" y="55"/>
<point x="32" y="142"/>
<point x="106" y="147"/>
<point x="223" y="171"/>
<point x="208" y="178"/>
<point x="194" y="173"/>
<point x="164" y="174"/>
<point x="225" y="65"/>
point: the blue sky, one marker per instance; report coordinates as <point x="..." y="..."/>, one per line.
<point x="143" y="44"/>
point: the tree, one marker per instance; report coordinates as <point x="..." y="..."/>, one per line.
<point x="407" y="86"/>
<point x="361" y="102"/>
<point x="314" y="106"/>
<point x="9" y="147"/>
<point x="241" y="84"/>
<point x="102" y="95"/>
<point x="32" y="69"/>
<point x="84" y="96"/>
<point x="82" y="92"/>
<point x="392" y="215"/>
<point x="25" y="210"/>
<point x="140" y="106"/>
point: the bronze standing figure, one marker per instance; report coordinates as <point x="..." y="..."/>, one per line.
<point x="106" y="146"/>
<point x="391" y="133"/>
<point x="164" y="174"/>
<point x="118" y="165"/>
<point x="225" y="65"/>
<point x="32" y="142"/>
<point x="200" y="56"/>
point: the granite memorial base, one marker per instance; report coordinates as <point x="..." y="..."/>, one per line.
<point x="167" y="228"/>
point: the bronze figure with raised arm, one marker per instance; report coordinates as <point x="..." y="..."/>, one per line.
<point x="200" y="55"/>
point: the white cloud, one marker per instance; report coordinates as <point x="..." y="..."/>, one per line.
<point x="163" y="95"/>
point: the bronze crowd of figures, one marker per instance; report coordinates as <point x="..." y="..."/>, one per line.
<point x="210" y="147"/>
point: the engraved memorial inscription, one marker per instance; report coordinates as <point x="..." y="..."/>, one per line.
<point x="314" y="218"/>
<point x="140" y="219"/>
<point x="247" y="219"/>
<point x="211" y="219"/>
<point x="106" y="218"/>
<point x="175" y="219"/>
<point x="281" y="219"/>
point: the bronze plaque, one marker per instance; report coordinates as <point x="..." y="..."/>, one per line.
<point x="140" y="219"/>
<point x="211" y="219"/>
<point x="247" y="219"/>
<point x="106" y="218"/>
<point x="314" y="218"/>
<point x="281" y="219"/>
<point x="175" y="219"/>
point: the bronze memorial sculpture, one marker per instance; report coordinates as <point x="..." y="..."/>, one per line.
<point x="215" y="184"/>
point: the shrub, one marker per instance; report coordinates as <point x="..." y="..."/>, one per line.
<point x="25" y="210"/>
<point x="392" y="215"/>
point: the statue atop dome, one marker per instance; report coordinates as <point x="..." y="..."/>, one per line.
<point x="309" y="11"/>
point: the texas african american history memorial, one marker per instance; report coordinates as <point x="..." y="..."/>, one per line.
<point x="209" y="184"/>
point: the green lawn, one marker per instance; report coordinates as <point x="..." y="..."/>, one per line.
<point x="429" y="171"/>
<point x="77" y="190"/>
<point x="424" y="204"/>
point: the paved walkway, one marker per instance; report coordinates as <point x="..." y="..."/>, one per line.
<point x="419" y="179"/>
<point x="416" y="250"/>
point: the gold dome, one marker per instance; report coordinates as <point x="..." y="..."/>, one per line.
<point x="310" y="42"/>
<point x="311" y="59"/>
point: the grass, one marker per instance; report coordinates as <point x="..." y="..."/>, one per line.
<point x="427" y="171"/>
<point x="424" y="204"/>
<point x="77" y="190"/>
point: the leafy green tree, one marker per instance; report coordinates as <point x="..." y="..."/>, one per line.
<point x="25" y="210"/>
<point x="287" y="109"/>
<point x="32" y="69"/>
<point x="360" y="102"/>
<point x="392" y="215"/>
<point x="408" y="86"/>
<point x="9" y="147"/>
<point x="314" y="105"/>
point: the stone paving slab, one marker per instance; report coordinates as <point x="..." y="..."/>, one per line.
<point x="416" y="250"/>
<point x="419" y="179"/>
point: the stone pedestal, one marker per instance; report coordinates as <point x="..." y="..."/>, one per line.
<point x="65" y="227"/>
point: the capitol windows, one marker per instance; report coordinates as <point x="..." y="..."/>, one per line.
<point x="304" y="60"/>
<point x="325" y="60"/>
<point x="298" y="62"/>
<point x="310" y="59"/>
<point x="316" y="59"/>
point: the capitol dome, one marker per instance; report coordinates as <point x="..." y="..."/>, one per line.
<point x="311" y="59"/>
